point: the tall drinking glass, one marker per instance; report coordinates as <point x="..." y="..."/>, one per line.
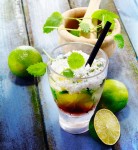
<point x="76" y="98"/>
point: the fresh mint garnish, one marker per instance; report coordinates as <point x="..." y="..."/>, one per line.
<point x="53" y="22"/>
<point x="37" y="70"/>
<point x="104" y="16"/>
<point x="53" y="93"/>
<point x="75" y="60"/>
<point x="75" y="32"/>
<point x="63" y="92"/>
<point x="68" y="73"/>
<point x="118" y="38"/>
<point x="85" y="27"/>
<point x="87" y="91"/>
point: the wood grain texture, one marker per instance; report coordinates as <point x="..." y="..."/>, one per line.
<point x="20" y="119"/>
<point x="78" y="3"/>
<point x="123" y="66"/>
<point x="37" y="12"/>
<point x="128" y="11"/>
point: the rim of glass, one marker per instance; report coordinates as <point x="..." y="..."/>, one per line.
<point x="61" y="45"/>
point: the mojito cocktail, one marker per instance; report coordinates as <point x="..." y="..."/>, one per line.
<point x="76" y="87"/>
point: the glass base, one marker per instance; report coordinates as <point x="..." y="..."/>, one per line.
<point x="75" y="124"/>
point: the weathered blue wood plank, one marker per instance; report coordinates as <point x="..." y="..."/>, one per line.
<point x="123" y="66"/>
<point x="20" y="119"/>
<point x="128" y="11"/>
<point x="124" y="72"/>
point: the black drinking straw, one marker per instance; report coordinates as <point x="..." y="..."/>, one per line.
<point x="98" y="44"/>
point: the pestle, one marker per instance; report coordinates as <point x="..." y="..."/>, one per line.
<point x="93" y="6"/>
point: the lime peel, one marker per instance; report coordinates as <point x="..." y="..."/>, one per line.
<point x="115" y="96"/>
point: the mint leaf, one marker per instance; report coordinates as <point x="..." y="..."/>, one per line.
<point x="63" y="92"/>
<point x="104" y="16"/>
<point x="118" y="38"/>
<point x="52" y="22"/>
<point x="37" y="70"/>
<point x="108" y="18"/>
<point x="75" y="32"/>
<point x="53" y="93"/>
<point x="85" y="27"/>
<point x="68" y="73"/>
<point x="76" y="60"/>
<point x="87" y="91"/>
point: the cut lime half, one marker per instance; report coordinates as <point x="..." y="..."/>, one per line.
<point x="107" y="126"/>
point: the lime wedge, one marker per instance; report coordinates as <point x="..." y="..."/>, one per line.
<point x="107" y="126"/>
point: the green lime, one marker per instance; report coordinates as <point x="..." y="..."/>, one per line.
<point x="107" y="126"/>
<point x="21" y="58"/>
<point x="92" y="129"/>
<point x="114" y="96"/>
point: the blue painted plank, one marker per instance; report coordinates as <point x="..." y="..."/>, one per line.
<point x="123" y="66"/>
<point x="128" y="11"/>
<point x="120" y="68"/>
<point x="20" y="118"/>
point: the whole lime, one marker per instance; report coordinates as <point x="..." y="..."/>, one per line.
<point x="114" y="96"/>
<point x="21" y="58"/>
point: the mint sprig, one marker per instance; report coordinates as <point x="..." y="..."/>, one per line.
<point x="118" y="38"/>
<point x="75" y="60"/>
<point x="104" y="16"/>
<point x="37" y="70"/>
<point x="55" y="20"/>
<point x="85" y="27"/>
<point x="68" y="73"/>
<point x="52" y="22"/>
<point x="75" y="33"/>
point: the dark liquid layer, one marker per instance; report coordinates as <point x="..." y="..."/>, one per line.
<point x="75" y="110"/>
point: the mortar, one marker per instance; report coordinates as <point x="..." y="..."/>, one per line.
<point x="64" y="36"/>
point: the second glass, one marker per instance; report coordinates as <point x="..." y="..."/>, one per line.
<point x="76" y="98"/>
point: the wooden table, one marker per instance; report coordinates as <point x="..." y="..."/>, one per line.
<point x="28" y="115"/>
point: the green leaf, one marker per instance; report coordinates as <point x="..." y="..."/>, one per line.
<point x="118" y="38"/>
<point x="76" y="60"/>
<point x="63" y="92"/>
<point x="85" y="27"/>
<point x="53" y="21"/>
<point x="104" y="16"/>
<point x="75" y="32"/>
<point x="37" y="70"/>
<point x="87" y="91"/>
<point x="68" y="73"/>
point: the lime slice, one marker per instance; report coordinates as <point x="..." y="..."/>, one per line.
<point x="107" y="126"/>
